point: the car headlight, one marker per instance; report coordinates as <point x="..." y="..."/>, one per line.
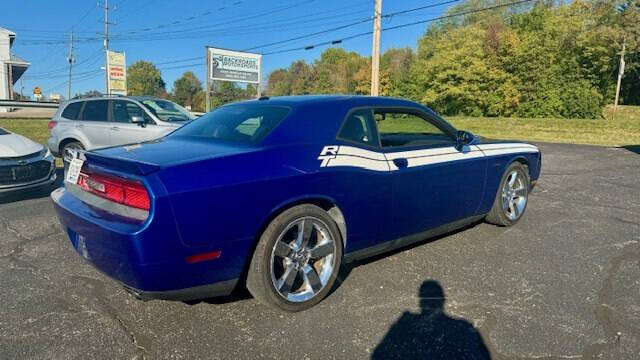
<point x="45" y="153"/>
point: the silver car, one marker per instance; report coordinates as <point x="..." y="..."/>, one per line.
<point x="24" y="164"/>
<point x="99" y="122"/>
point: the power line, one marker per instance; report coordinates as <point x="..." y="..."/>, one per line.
<point x="366" y="20"/>
<point x="338" y="41"/>
<point x="236" y="19"/>
<point x="311" y="34"/>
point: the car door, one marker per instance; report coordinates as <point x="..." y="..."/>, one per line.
<point x="361" y="176"/>
<point x="434" y="183"/>
<point x="124" y="131"/>
<point x="94" y="124"/>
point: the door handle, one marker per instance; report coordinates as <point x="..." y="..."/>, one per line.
<point x="114" y="128"/>
<point x="79" y="126"/>
<point x="401" y="163"/>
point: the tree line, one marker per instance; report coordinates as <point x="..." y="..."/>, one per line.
<point x="532" y="60"/>
<point x="540" y="60"/>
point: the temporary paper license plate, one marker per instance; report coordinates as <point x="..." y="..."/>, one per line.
<point x="74" y="170"/>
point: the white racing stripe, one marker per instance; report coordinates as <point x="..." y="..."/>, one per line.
<point x="341" y="155"/>
<point x="356" y="161"/>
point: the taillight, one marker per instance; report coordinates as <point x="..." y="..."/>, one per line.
<point x="122" y="191"/>
<point x="52" y="124"/>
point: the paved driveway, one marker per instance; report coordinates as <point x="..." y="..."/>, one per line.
<point x="562" y="283"/>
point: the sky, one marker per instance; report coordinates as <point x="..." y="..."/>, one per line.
<point x="173" y="34"/>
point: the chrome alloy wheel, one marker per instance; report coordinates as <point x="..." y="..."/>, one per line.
<point x="302" y="259"/>
<point x="514" y="195"/>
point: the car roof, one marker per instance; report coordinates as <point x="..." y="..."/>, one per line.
<point x="317" y="118"/>
<point x="116" y="97"/>
<point x="347" y="100"/>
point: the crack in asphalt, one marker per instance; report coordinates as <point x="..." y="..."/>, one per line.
<point x="14" y="254"/>
<point x="97" y="292"/>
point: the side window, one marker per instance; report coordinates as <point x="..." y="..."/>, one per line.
<point x="249" y="126"/>
<point x="359" y="127"/>
<point x="72" y="110"/>
<point x="123" y="111"/>
<point x="398" y="128"/>
<point x="95" y="110"/>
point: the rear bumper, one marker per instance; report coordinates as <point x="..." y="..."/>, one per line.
<point x="52" y="144"/>
<point x="221" y="288"/>
<point x="147" y="258"/>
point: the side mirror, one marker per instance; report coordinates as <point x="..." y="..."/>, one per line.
<point x="138" y="120"/>
<point x="463" y="138"/>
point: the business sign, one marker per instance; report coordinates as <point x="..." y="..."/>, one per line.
<point x="228" y="65"/>
<point x="117" y="68"/>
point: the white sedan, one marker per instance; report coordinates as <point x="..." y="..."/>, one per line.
<point x="24" y="164"/>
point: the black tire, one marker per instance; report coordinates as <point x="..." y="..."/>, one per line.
<point x="70" y="145"/>
<point x="259" y="277"/>
<point x="65" y="149"/>
<point x="498" y="215"/>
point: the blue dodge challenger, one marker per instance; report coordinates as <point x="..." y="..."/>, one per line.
<point x="277" y="193"/>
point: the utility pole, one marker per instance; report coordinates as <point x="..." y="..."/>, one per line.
<point x="375" y="50"/>
<point x="106" y="44"/>
<point x="207" y="90"/>
<point x="620" y="73"/>
<point x="71" y="60"/>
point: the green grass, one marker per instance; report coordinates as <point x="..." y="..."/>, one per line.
<point x="34" y="129"/>
<point x="623" y="130"/>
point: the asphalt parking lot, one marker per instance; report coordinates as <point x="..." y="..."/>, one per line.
<point x="563" y="283"/>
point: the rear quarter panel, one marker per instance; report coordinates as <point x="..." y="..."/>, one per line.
<point x="231" y="199"/>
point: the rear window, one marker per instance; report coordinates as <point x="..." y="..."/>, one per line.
<point x="238" y="123"/>
<point x="72" y="110"/>
<point x="95" y="110"/>
<point x="3" y="132"/>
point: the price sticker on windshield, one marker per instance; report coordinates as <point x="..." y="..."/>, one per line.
<point x="73" y="173"/>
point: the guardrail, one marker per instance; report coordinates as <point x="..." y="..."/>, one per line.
<point x="29" y="104"/>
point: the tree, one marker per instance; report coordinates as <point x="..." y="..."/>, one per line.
<point x="186" y="89"/>
<point x="143" y="78"/>
<point x="544" y="59"/>
<point x="224" y="92"/>
<point x="90" y="93"/>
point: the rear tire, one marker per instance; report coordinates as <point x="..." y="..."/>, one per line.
<point x="296" y="260"/>
<point x="512" y="196"/>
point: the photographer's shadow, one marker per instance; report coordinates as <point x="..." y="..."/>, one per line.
<point x="431" y="334"/>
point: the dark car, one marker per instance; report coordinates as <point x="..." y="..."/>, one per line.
<point x="277" y="193"/>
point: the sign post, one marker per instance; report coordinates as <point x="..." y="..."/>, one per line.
<point x="117" y="73"/>
<point x="234" y="66"/>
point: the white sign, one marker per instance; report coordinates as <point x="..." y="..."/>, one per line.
<point x="117" y="68"/>
<point x="228" y="65"/>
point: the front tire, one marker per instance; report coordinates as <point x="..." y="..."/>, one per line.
<point x="512" y="196"/>
<point x="296" y="260"/>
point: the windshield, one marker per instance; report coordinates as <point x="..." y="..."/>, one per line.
<point x="167" y="110"/>
<point x="239" y="123"/>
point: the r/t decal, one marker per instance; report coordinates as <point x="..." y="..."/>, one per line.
<point x="328" y="152"/>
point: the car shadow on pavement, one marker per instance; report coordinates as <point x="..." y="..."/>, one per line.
<point x="346" y="269"/>
<point x="36" y="193"/>
<point x="239" y="293"/>
<point x="632" y="148"/>
<point x="431" y="333"/>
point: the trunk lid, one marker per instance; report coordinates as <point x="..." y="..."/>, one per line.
<point x="149" y="156"/>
